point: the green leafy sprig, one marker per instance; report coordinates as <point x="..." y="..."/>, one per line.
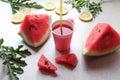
<point x="94" y="8"/>
<point x="17" y="4"/>
<point x="12" y="58"/>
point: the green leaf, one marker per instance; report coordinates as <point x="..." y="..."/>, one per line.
<point x="13" y="60"/>
<point x="17" y="4"/>
<point x="17" y="70"/>
<point x="94" y="8"/>
<point x="1" y="41"/>
<point x="33" y="5"/>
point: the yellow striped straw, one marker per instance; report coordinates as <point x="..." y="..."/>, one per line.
<point x="61" y="16"/>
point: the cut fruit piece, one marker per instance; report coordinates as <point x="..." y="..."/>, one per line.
<point x="102" y="40"/>
<point x="46" y="65"/>
<point x="85" y="16"/>
<point x="35" y="29"/>
<point x="64" y="10"/>
<point x="26" y="11"/>
<point x="67" y="59"/>
<point x="17" y="18"/>
<point x="71" y="20"/>
<point x="50" y="6"/>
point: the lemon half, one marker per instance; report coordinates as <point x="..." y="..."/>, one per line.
<point x="85" y="16"/>
<point x="26" y="11"/>
<point x="17" y="18"/>
<point x="50" y="6"/>
<point x="64" y="10"/>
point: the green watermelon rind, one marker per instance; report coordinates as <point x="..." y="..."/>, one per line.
<point x="37" y="44"/>
<point x="88" y="53"/>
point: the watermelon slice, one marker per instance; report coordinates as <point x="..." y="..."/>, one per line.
<point x="46" y="65"/>
<point x="102" y="40"/>
<point x="67" y="59"/>
<point x="35" y="29"/>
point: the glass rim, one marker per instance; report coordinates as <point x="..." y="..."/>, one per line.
<point x="57" y="22"/>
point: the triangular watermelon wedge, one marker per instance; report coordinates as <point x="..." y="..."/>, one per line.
<point x="102" y="40"/>
<point x="35" y="29"/>
<point x="46" y="65"/>
<point x="67" y="59"/>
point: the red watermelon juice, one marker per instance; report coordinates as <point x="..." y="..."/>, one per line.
<point x="62" y="39"/>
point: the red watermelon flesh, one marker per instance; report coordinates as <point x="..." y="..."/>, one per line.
<point x="102" y="40"/>
<point x="46" y="65"/>
<point x="67" y="59"/>
<point x="35" y="29"/>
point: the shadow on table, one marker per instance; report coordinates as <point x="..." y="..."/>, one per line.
<point x="103" y="62"/>
<point x="53" y="74"/>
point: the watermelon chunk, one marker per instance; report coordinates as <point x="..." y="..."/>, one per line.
<point x="35" y="29"/>
<point x="71" y="20"/>
<point x="102" y="40"/>
<point x="67" y="59"/>
<point x="46" y="65"/>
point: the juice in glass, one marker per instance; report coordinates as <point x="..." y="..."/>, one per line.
<point x="62" y="35"/>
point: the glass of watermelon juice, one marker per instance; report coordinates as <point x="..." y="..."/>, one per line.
<point x="62" y="35"/>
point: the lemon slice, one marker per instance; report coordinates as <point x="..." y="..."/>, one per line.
<point x="50" y="6"/>
<point x="64" y="10"/>
<point x="17" y="18"/>
<point x="26" y="11"/>
<point x="85" y="16"/>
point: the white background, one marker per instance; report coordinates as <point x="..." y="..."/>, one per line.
<point x="88" y="68"/>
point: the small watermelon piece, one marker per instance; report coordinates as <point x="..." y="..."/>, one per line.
<point x="71" y="20"/>
<point x="102" y="40"/>
<point x="67" y="59"/>
<point x="46" y="65"/>
<point x="35" y="29"/>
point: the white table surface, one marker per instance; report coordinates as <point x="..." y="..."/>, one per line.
<point x="88" y="68"/>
